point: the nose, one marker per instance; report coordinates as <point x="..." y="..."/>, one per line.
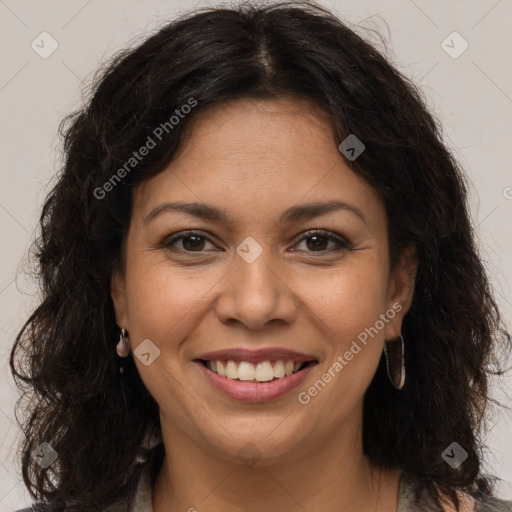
<point x="256" y="293"/>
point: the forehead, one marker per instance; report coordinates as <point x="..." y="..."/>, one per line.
<point x="252" y="153"/>
<point x="266" y="130"/>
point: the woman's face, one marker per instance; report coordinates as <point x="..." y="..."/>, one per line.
<point x="259" y="280"/>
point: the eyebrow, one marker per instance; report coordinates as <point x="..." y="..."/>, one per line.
<point x="293" y="214"/>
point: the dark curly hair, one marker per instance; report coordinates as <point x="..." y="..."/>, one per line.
<point x="64" y="358"/>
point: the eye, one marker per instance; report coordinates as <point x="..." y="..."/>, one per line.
<point x="192" y="241"/>
<point x="319" y="238"/>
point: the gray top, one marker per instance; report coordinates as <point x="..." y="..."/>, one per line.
<point x="406" y="501"/>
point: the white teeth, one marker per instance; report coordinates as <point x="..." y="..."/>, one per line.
<point x="264" y="372"/>
<point x="221" y="370"/>
<point x="261" y="372"/>
<point x="279" y="369"/>
<point x="232" y="370"/>
<point x="245" y="371"/>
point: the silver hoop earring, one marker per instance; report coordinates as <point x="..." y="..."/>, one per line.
<point x="394" y="351"/>
<point x="123" y="346"/>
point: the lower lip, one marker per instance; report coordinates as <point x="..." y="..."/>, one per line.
<point x="255" y="391"/>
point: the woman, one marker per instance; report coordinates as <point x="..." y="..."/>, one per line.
<point x="260" y="285"/>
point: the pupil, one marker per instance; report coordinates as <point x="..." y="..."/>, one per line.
<point x="318" y="244"/>
<point x="198" y="242"/>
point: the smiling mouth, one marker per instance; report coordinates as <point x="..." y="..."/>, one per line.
<point x="265" y="371"/>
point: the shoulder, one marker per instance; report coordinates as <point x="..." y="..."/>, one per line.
<point x="36" y="507"/>
<point x="413" y="498"/>
<point x="39" y="507"/>
<point x="141" y="500"/>
<point x="492" y="505"/>
<point x="477" y="502"/>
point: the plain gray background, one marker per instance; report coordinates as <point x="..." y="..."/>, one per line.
<point x="471" y="93"/>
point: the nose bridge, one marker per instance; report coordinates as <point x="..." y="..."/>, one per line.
<point x="256" y="292"/>
<point x="252" y="267"/>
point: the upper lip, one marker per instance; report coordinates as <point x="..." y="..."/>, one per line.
<point x="256" y="356"/>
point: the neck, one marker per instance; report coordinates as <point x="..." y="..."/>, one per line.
<point x="333" y="475"/>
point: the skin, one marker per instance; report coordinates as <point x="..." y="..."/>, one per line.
<point x="254" y="159"/>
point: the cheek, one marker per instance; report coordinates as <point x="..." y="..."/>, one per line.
<point x="350" y="304"/>
<point x="348" y="300"/>
<point x="163" y="301"/>
<point x="353" y="312"/>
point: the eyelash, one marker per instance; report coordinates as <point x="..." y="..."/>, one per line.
<point x="340" y="242"/>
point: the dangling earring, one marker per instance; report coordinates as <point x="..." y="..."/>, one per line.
<point x="394" y="352"/>
<point x="123" y="346"/>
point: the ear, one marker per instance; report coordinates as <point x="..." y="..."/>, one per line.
<point x="118" y="295"/>
<point x="401" y="291"/>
